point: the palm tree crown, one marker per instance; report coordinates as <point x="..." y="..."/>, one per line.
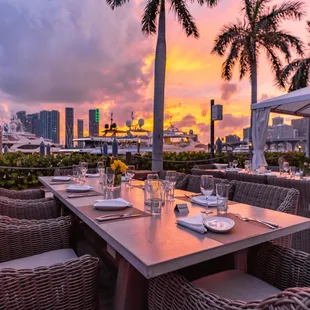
<point x="258" y="30"/>
<point x="296" y="74"/>
<point x="179" y="7"/>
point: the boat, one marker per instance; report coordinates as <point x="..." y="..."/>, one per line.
<point x="17" y="139"/>
<point x="136" y="138"/>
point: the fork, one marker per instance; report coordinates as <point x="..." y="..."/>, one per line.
<point x="249" y="219"/>
<point x="103" y="217"/>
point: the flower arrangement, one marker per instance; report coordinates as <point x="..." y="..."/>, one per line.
<point x="118" y="166"/>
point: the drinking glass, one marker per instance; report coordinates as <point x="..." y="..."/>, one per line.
<point x="286" y="166"/>
<point x="153" y="199"/>
<point x="222" y="191"/>
<point x="75" y="172"/>
<point x="171" y="178"/>
<point x="292" y="172"/>
<point x="110" y="176"/>
<point x="101" y="175"/>
<point x="207" y="185"/>
<point x="83" y="167"/>
<point x="235" y="163"/>
<point x="247" y="165"/>
<point x="130" y="173"/>
<point x="261" y="169"/>
<point x="100" y="165"/>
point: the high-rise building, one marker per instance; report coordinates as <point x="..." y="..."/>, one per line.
<point x="232" y="139"/>
<point x="31" y="121"/>
<point x="80" y="126"/>
<point x="93" y="125"/>
<point x="283" y="131"/>
<point x="55" y="126"/>
<point x="246" y="134"/>
<point x="22" y="116"/>
<point x="277" y="121"/>
<point x="69" y="126"/>
<point x="45" y="122"/>
<point x="301" y="125"/>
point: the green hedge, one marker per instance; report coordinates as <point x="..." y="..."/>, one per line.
<point x="183" y="162"/>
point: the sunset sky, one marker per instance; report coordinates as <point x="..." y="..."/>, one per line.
<point x="81" y="54"/>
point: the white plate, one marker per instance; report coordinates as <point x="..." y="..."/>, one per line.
<point x="78" y="188"/>
<point x="112" y="204"/>
<point x="92" y="175"/>
<point x="221" y="166"/>
<point x="61" y="179"/>
<point x="218" y="223"/>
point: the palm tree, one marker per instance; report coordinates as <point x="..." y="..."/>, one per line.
<point x="296" y="74"/>
<point x="258" y="30"/>
<point x="153" y="17"/>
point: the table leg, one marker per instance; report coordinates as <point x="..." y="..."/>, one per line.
<point x="131" y="288"/>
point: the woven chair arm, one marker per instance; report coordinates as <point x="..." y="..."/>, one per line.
<point x="71" y="285"/>
<point x="172" y="291"/>
<point x="291" y="202"/>
<point x="21" y="238"/>
<point x="30" y="209"/>
<point x="279" y="266"/>
<point x="23" y="194"/>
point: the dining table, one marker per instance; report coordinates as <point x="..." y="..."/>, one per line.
<point x="147" y="246"/>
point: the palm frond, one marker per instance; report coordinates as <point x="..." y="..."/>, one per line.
<point x="244" y="63"/>
<point x="115" y="3"/>
<point x="229" y="63"/>
<point x="184" y="17"/>
<point x="274" y="61"/>
<point x="308" y="26"/>
<point x="227" y="36"/>
<point x="278" y="13"/>
<point x="149" y="17"/>
<point x="209" y="3"/>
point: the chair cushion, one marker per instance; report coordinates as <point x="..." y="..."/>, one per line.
<point x="236" y="285"/>
<point x="40" y="260"/>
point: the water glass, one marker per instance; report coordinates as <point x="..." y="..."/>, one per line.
<point x="75" y="172"/>
<point x="286" y="166"/>
<point x="153" y="196"/>
<point x="292" y="172"/>
<point x="101" y="175"/>
<point x="152" y="176"/>
<point x="235" y="163"/>
<point x="83" y="168"/>
<point x="222" y="191"/>
<point x="171" y="180"/>
<point x="248" y="165"/>
<point x="130" y="173"/>
<point x="168" y="191"/>
<point x="100" y="165"/>
<point x="110" y="177"/>
<point x="207" y="185"/>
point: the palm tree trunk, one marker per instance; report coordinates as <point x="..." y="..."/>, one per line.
<point x="159" y="91"/>
<point x="253" y="91"/>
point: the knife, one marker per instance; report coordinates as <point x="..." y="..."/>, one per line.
<point x="116" y="217"/>
<point x="83" y="195"/>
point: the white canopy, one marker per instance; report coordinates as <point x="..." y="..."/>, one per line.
<point x="295" y="103"/>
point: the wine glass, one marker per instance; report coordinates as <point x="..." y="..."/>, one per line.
<point x="110" y="177"/>
<point x="235" y="163"/>
<point x="171" y="180"/>
<point x="207" y="185"/>
<point x="83" y="167"/>
<point x="75" y="172"/>
<point x="100" y="165"/>
<point x="130" y="173"/>
<point x="152" y="176"/>
<point x="286" y="166"/>
<point x="247" y="165"/>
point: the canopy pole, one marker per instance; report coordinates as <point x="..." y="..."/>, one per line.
<point x="308" y="140"/>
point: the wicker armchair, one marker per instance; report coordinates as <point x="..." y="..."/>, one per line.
<point x="285" y="269"/>
<point x="214" y="172"/>
<point x="44" y="208"/>
<point x="246" y="177"/>
<point x="209" y="166"/>
<point x="23" y="194"/>
<point x="181" y="182"/>
<point x="65" y="284"/>
<point x="193" y="184"/>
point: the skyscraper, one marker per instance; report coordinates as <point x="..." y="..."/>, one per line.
<point x="22" y="116"/>
<point x="45" y="122"/>
<point x="93" y="126"/>
<point x="80" y="126"/>
<point x="55" y="126"/>
<point x="69" y="126"/>
<point x="301" y="125"/>
<point x="31" y="121"/>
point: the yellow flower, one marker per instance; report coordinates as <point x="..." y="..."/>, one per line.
<point x="113" y="167"/>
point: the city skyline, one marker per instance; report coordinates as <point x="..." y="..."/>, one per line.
<point x="120" y="80"/>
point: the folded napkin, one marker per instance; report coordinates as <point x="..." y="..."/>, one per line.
<point x="194" y="223"/>
<point x="112" y="204"/>
<point x="92" y="175"/>
<point x="201" y="200"/>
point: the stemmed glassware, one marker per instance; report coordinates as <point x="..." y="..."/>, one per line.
<point x="171" y="179"/>
<point x="100" y="165"/>
<point x="207" y="185"/>
<point x="247" y="165"/>
<point x="83" y="168"/>
<point x="130" y="173"/>
<point x="235" y="163"/>
<point x="286" y="166"/>
<point x="152" y="187"/>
